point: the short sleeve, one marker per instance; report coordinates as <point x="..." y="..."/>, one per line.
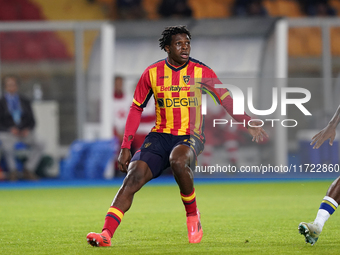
<point x="143" y="90"/>
<point x="210" y="79"/>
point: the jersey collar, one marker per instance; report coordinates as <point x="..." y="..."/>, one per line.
<point x="176" y="68"/>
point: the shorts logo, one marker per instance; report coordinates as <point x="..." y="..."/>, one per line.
<point x="186" y="78"/>
<point x="191" y="141"/>
<point x="147" y="145"/>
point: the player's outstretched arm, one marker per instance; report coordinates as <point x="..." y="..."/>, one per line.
<point x="256" y="131"/>
<point x="124" y="159"/>
<point x="328" y="132"/>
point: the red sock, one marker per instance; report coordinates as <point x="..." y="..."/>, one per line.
<point x="189" y="202"/>
<point x="112" y="220"/>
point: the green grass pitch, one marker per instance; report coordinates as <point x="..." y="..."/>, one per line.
<point x="248" y="218"/>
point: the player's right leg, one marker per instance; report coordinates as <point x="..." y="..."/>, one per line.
<point x="139" y="174"/>
<point x="329" y="204"/>
<point x="180" y="161"/>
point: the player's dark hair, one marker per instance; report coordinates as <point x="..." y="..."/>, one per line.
<point x="169" y="32"/>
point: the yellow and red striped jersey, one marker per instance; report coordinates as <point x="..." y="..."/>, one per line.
<point x="177" y="95"/>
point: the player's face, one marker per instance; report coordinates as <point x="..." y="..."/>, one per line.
<point x="179" y="49"/>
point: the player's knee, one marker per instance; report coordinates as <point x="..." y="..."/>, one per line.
<point x="134" y="180"/>
<point x="178" y="164"/>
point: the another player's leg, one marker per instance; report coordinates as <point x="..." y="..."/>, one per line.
<point x="138" y="174"/>
<point x="180" y="159"/>
<point x="311" y="231"/>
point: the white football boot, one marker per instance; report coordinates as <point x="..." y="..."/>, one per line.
<point x="311" y="232"/>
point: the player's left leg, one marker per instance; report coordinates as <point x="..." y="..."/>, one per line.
<point x="138" y="175"/>
<point x="329" y="204"/>
<point x="180" y="159"/>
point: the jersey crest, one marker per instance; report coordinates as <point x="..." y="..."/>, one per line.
<point x="186" y="78"/>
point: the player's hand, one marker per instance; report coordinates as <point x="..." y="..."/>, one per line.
<point x="326" y="133"/>
<point x="124" y="159"/>
<point x="256" y="131"/>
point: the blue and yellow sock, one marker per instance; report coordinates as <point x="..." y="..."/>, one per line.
<point x="329" y="204"/>
<point x="327" y="208"/>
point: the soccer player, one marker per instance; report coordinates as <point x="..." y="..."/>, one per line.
<point x="330" y="202"/>
<point x="177" y="137"/>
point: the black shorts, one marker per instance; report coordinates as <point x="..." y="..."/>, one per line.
<point x="157" y="148"/>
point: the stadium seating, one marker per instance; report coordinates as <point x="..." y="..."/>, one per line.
<point x="74" y="10"/>
<point x="70" y="10"/>
<point x="54" y="47"/>
<point x="28" y="46"/>
<point x="151" y="7"/>
<point x="335" y="39"/>
<point x="30" y="11"/>
<point x="313" y="41"/>
<point x="295" y="43"/>
<point x="60" y="46"/>
<point x="336" y="5"/>
<point x="284" y="8"/>
<point x="32" y="48"/>
<point x="88" y="160"/>
<point x="9" y="11"/>
<point x="303" y="42"/>
<point x="211" y="8"/>
<point x="10" y="48"/>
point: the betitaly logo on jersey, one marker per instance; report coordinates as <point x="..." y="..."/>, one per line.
<point x="173" y="88"/>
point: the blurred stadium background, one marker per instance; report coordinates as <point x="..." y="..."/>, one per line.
<point x="56" y="48"/>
